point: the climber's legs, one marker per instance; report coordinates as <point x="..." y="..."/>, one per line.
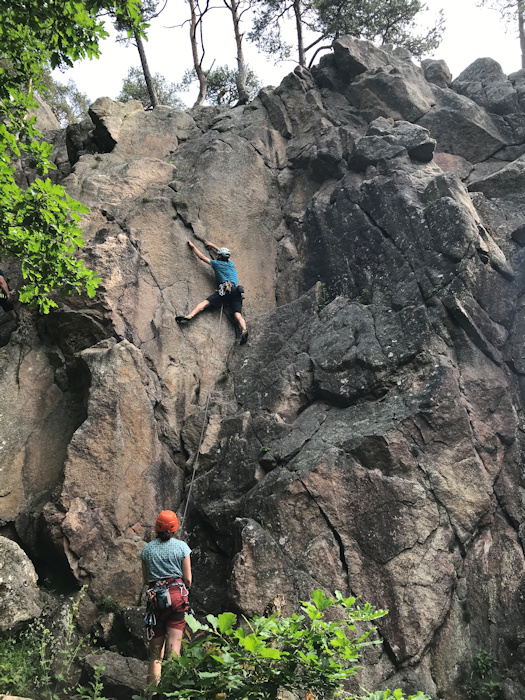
<point x="240" y="320"/>
<point x="200" y="307"/>
<point x="242" y="323"/>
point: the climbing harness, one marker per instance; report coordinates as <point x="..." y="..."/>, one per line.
<point x="204" y="423"/>
<point x="166" y="598"/>
<point x="229" y="288"/>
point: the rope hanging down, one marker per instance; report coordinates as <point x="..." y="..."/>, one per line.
<point x="204" y="422"/>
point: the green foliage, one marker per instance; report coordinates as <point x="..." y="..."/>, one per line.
<point x="39" y="226"/>
<point x="18" y="662"/>
<point x="42" y="661"/>
<point x="483" y="663"/>
<point x="323" y="298"/>
<point x="94" y="690"/>
<point x="392" y="22"/>
<point x="382" y="21"/>
<point x="365" y="297"/>
<point x="302" y="653"/>
<point x="482" y="685"/>
<point x="134" y="88"/>
<point x="108" y="604"/>
<point x="267" y="29"/>
<point x="67" y="103"/>
<point x="221" y="86"/>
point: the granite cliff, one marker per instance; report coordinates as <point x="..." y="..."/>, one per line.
<point x="369" y="436"/>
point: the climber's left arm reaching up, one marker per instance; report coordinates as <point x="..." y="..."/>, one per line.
<point x="198" y="253"/>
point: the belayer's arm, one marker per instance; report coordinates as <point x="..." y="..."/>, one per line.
<point x="186" y="571"/>
<point x="144" y="573"/>
<point x="198" y="253"/>
<point x="4" y="287"/>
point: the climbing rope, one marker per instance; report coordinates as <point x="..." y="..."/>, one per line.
<point x="204" y="422"/>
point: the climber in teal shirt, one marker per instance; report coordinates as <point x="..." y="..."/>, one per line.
<point x="229" y="292"/>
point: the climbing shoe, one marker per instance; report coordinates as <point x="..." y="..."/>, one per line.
<point x="244" y="337"/>
<point x="183" y="319"/>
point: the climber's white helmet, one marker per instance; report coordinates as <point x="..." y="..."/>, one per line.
<point x="224" y="252"/>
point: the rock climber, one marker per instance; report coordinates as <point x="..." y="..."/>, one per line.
<point x="5" y="298"/>
<point x="229" y="292"/>
<point x="166" y="565"/>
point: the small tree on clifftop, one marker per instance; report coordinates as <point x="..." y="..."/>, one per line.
<point x="391" y="22"/>
<point x="124" y="26"/>
<point x="380" y="21"/>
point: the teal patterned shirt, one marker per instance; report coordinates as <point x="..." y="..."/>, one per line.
<point x="164" y="559"/>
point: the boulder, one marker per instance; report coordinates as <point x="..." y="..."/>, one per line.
<point x="463" y="128"/>
<point x="437" y="72"/>
<point x="20" y="599"/>
<point x="485" y="83"/>
<point x="506" y="183"/>
<point x="122" y="676"/>
<point x="45" y="118"/>
<point x="518" y="82"/>
<point x="382" y="82"/>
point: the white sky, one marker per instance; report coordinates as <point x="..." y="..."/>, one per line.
<point x="471" y="33"/>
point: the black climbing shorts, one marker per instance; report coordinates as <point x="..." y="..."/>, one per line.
<point x="6" y="304"/>
<point x="233" y="300"/>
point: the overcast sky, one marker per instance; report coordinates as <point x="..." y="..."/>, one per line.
<point x="471" y="33"/>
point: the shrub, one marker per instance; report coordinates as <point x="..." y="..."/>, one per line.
<point x="305" y="653"/>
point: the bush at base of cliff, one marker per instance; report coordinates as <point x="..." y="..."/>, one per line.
<point x="42" y="661"/>
<point x="303" y="654"/>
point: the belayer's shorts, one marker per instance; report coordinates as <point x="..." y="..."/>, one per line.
<point x="6" y="304"/>
<point x="169" y="618"/>
<point x="233" y="300"/>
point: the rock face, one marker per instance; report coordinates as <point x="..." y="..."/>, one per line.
<point x="20" y="599"/>
<point x="369" y="436"/>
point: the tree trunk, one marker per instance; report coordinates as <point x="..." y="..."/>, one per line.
<point x="201" y="75"/>
<point x="299" y="27"/>
<point x="241" y="77"/>
<point x="145" y="69"/>
<point x="521" y="21"/>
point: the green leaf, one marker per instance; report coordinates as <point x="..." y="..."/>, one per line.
<point x="270" y="653"/>
<point x="194" y="624"/>
<point x="226" y="621"/>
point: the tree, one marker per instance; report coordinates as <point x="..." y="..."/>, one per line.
<point x="304" y="654"/>
<point x="197" y="15"/>
<point x="124" y="25"/>
<point x="392" y="22"/>
<point x="237" y="9"/>
<point x="134" y="88"/>
<point x="39" y="226"/>
<point x="267" y="28"/>
<point x="381" y="21"/>
<point x="222" y="85"/>
<point x="513" y="13"/>
<point x="67" y="103"/>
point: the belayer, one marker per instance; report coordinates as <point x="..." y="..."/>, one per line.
<point x="5" y="298"/>
<point x="229" y="292"/>
<point x="166" y="569"/>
